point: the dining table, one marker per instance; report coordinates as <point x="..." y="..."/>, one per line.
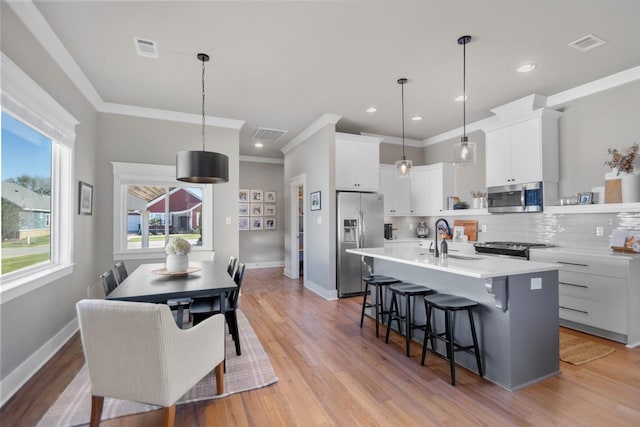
<point x="152" y="283"/>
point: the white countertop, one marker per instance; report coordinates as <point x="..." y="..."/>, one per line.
<point x="480" y="266"/>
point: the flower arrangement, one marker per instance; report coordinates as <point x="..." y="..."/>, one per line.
<point x="623" y="162"/>
<point x="177" y="246"/>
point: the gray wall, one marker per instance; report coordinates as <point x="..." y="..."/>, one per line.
<point x="263" y="246"/>
<point x="140" y="140"/>
<point x="390" y="153"/>
<point x="468" y="178"/>
<point x="588" y="128"/>
<point x="315" y="157"/>
<point x="30" y="321"/>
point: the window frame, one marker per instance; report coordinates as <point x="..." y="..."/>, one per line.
<point x="150" y="174"/>
<point x="25" y="100"/>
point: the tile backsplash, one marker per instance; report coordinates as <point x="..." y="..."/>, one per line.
<point x="585" y="231"/>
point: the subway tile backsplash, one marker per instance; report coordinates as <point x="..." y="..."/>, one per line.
<point x="566" y="230"/>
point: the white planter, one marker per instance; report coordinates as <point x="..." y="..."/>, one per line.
<point x="176" y="263"/>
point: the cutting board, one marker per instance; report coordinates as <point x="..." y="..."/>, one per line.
<point x="470" y="228"/>
<point x="613" y="191"/>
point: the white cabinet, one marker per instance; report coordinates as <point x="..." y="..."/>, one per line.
<point x="396" y="191"/>
<point x="597" y="293"/>
<point x="430" y="186"/>
<point x="523" y="150"/>
<point x="357" y="162"/>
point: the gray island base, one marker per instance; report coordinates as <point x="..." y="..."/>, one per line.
<point x="517" y="321"/>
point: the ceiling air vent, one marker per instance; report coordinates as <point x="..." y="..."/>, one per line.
<point x="586" y="43"/>
<point x="146" y="48"/>
<point x="266" y="134"/>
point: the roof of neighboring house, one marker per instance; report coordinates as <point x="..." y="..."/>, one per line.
<point x="24" y="198"/>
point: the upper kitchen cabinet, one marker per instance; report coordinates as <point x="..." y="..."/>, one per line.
<point x="357" y="162"/>
<point x="396" y="191"/>
<point x="430" y="186"/>
<point x="523" y="148"/>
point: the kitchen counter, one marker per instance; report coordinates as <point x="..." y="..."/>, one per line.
<point x="517" y="318"/>
<point x="478" y="266"/>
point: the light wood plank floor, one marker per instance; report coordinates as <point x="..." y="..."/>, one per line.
<point x="334" y="373"/>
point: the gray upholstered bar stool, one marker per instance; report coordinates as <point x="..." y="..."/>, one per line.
<point x="378" y="282"/>
<point x="408" y="291"/>
<point x="450" y="304"/>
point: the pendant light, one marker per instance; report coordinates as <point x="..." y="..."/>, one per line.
<point x="403" y="166"/>
<point x="464" y="152"/>
<point x="202" y="167"/>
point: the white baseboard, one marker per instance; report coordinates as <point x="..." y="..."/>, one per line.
<point x="323" y="292"/>
<point x="19" y="376"/>
<point x="288" y="273"/>
<point x="268" y="264"/>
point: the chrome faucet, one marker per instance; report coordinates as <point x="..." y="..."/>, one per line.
<point x="436" y="252"/>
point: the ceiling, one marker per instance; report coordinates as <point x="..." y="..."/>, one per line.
<point x="283" y="65"/>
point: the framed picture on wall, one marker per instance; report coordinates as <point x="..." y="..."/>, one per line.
<point x="243" y="209"/>
<point x="315" y="201"/>
<point x="269" y="223"/>
<point x="256" y="223"/>
<point x="270" y="196"/>
<point x="243" y="196"/>
<point x="85" y="198"/>
<point x="243" y="223"/>
<point x="269" y="210"/>
<point x="256" y="196"/>
<point x="255" y="209"/>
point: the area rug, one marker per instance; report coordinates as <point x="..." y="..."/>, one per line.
<point x="578" y="351"/>
<point x="249" y="371"/>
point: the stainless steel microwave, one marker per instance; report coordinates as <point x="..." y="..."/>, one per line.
<point x="516" y="198"/>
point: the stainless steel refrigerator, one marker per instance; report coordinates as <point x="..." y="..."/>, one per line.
<point x="360" y="225"/>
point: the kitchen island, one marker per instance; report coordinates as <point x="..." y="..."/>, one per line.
<point x="517" y="319"/>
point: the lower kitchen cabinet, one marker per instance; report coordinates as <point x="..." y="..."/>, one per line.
<point x="599" y="293"/>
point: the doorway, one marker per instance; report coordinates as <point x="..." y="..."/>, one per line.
<point x="296" y="264"/>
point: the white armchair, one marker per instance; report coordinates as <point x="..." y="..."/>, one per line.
<point x="135" y="351"/>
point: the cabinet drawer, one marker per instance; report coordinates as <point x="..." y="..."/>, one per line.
<point x="593" y="287"/>
<point x="610" y="317"/>
<point x="581" y="263"/>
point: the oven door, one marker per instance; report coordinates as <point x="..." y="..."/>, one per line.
<point x="521" y="258"/>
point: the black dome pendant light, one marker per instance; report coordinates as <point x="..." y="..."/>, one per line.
<point x="464" y="152"/>
<point x="202" y="167"/>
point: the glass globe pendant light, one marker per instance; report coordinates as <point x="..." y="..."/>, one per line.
<point x="464" y="152"/>
<point x="403" y="166"/>
<point x="202" y="167"/>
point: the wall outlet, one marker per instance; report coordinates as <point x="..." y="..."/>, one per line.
<point x="483" y="228"/>
<point x="410" y="226"/>
<point x="599" y="230"/>
<point x="228" y="220"/>
<point x="319" y="220"/>
<point x="536" y="283"/>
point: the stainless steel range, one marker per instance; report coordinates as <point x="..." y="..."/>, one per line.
<point x="511" y="249"/>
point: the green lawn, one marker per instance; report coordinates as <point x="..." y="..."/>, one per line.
<point x="160" y="237"/>
<point x="12" y="264"/>
<point x="36" y="241"/>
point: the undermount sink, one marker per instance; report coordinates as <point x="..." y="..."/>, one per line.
<point x="465" y="257"/>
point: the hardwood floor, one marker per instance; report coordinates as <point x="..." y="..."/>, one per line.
<point x="334" y="373"/>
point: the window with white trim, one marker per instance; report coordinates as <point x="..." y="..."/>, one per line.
<point x="150" y="206"/>
<point x="37" y="196"/>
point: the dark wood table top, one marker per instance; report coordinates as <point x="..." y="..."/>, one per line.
<point x="144" y="286"/>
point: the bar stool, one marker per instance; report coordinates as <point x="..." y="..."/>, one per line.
<point x="450" y="304"/>
<point x="408" y="291"/>
<point x="378" y="281"/>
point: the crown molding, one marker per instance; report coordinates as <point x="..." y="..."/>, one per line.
<point x="324" y="120"/>
<point x="176" y="116"/>
<point x="395" y="140"/>
<point x="257" y="159"/>
<point x="358" y="138"/>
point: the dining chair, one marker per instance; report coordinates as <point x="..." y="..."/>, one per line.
<point x="232" y="265"/>
<point x="203" y="308"/>
<point x="109" y="282"/>
<point x="134" y="351"/>
<point x="120" y="271"/>
<point x="202" y="256"/>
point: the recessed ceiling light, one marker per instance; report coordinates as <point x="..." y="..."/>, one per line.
<point x="371" y="110"/>
<point x="461" y="98"/>
<point x="416" y="118"/>
<point x="258" y="145"/>
<point x="526" y="68"/>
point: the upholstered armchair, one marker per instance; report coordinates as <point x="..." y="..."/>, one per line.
<point x="135" y="351"/>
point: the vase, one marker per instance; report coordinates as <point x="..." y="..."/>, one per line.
<point x="177" y="263"/>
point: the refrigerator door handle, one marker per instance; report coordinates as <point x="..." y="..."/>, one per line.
<point x="359" y="230"/>
<point x="364" y="228"/>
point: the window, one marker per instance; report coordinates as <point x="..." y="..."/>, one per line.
<point x="150" y="206"/>
<point x="38" y="137"/>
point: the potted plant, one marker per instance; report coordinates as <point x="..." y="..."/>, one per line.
<point x="177" y="251"/>
<point x="623" y="169"/>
